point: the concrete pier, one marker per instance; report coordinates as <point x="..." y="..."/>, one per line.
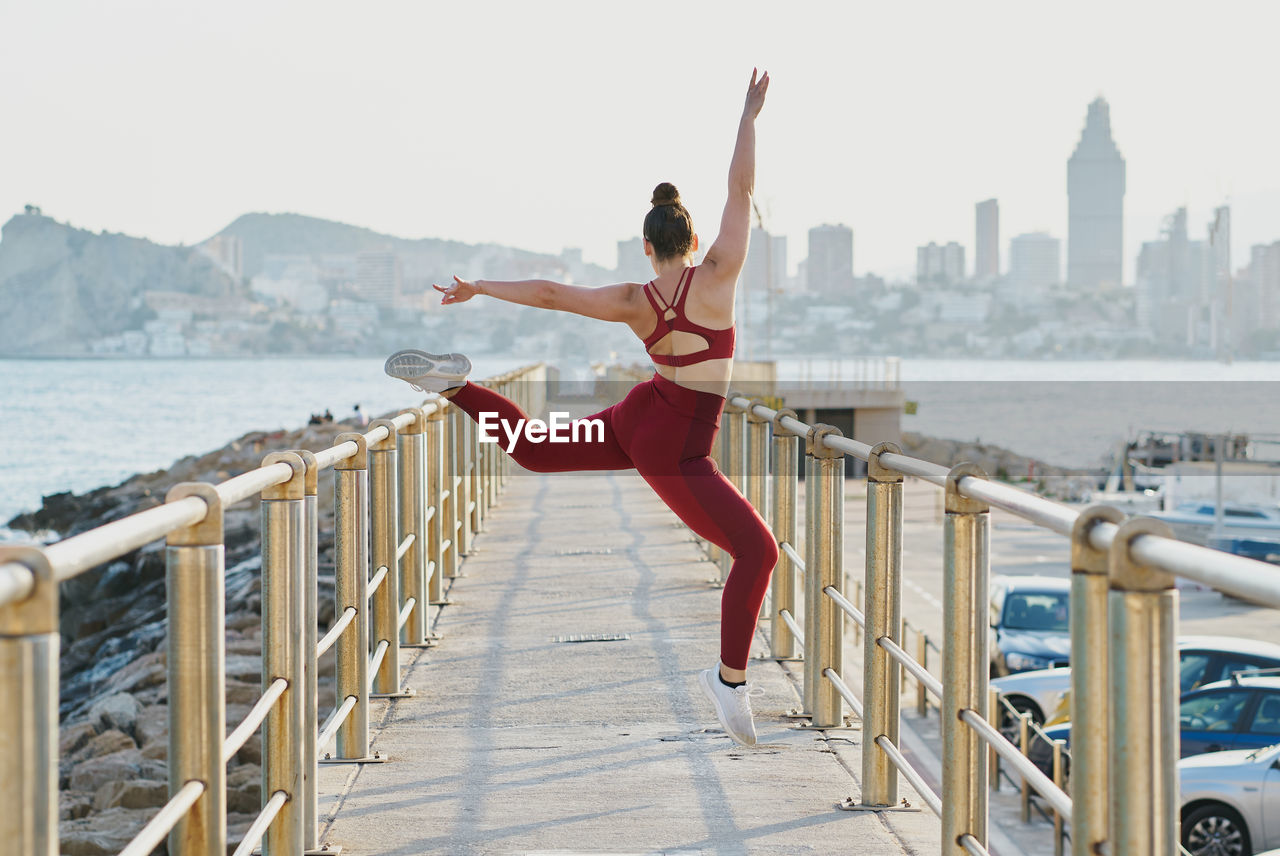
<point x="520" y="741"/>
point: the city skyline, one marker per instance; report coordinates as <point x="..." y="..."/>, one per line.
<point x="409" y="135"/>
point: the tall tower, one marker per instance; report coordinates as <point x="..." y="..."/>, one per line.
<point x="986" y="245"/>
<point x="1095" y="205"/>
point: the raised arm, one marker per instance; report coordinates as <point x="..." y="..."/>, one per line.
<point x="606" y="303"/>
<point x="729" y="252"/>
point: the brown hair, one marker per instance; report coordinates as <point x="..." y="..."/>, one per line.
<point x="668" y="226"/>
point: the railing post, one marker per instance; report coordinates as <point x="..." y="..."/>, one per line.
<point x="411" y="447"/>
<point x="466" y="485"/>
<point x="436" y="470"/>
<point x="310" y="636"/>
<point x="994" y="706"/>
<point x="194" y="572"/>
<point x="827" y="555"/>
<point x="454" y="474"/>
<point x="1143" y="609"/>
<point x="882" y="609"/>
<point x="756" y="476"/>
<point x="29" y="646"/>
<point x="922" y="657"/>
<point x="384" y="538"/>
<point x="810" y="578"/>
<point x="733" y="432"/>
<point x="283" y="567"/>
<point x="475" y="479"/>
<point x="1090" y="691"/>
<point x="783" y="587"/>
<point x="351" y="590"/>
<point x="965" y="663"/>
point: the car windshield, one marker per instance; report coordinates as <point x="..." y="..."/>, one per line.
<point x="1036" y="610"/>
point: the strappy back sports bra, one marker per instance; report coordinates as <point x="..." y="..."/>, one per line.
<point x="671" y="319"/>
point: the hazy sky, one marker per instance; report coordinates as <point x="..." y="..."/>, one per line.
<point x="547" y="124"/>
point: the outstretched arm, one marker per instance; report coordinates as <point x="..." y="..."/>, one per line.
<point x="729" y="252"/>
<point x="606" y="303"/>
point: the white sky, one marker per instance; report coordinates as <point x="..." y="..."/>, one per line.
<point x="546" y="124"/>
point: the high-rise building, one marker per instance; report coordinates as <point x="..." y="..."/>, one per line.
<point x="1034" y="265"/>
<point x="766" y="265"/>
<point x="1095" y="205"/>
<point x="227" y="251"/>
<point x="986" y="243"/>
<point x="633" y="264"/>
<point x="940" y="264"/>
<point x="378" y="277"/>
<point x="830" y="265"/>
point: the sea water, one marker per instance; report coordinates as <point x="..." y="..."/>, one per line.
<point x="79" y="424"/>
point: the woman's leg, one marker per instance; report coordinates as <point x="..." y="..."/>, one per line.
<point x="591" y="443"/>
<point x="713" y="508"/>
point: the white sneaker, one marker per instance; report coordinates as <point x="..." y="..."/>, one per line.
<point x="732" y="704"/>
<point x="428" y="372"/>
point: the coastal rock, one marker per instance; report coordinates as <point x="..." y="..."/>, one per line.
<point x="152" y="725"/>
<point x="73" y="737"/>
<point x="131" y="793"/>
<point x="118" y="766"/>
<point x="118" y="711"/>
<point x="102" y="834"/>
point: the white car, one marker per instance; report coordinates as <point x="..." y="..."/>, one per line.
<point x="1201" y="660"/>
<point x="1231" y="801"/>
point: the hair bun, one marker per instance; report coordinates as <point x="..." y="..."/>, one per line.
<point x="665" y="194"/>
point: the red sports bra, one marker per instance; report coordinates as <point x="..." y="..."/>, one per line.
<point x="671" y="318"/>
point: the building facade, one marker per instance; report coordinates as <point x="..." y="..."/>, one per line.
<point x="1035" y="264"/>
<point x="829" y="268"/>
<point x="986" y="243"/>
<point x="940" y="264"/>
<point x="1095" y="205"/>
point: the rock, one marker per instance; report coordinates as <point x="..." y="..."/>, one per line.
<point x="131" y="793"/>
<point x="242" y="667"/>
<point x="239" y="692"/>
<point x="73" y="804"/>
<point x="118" y="711"/>
<point x="244" y="789"/>
<point x="118" y="766"/>
<point x="106" y="743"/>
<point x="102" y="834"/>
<point x="152" y="725"/>
<point x="73" y="737"/>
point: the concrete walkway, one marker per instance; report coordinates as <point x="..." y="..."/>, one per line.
<point x="520" y="744"/>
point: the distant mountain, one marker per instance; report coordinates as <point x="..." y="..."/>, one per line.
<point x="269" y="234"/>
<point x="61" y="287"/>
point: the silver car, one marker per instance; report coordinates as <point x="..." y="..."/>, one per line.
<point x="1201" y="660"/>
<point x="1231" y="801"/>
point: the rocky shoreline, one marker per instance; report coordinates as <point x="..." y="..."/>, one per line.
<point x="114" y="731"/>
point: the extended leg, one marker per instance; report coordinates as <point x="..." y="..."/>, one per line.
<point x="591" y="444"/>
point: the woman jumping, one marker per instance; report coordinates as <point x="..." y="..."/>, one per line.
<point x="665" y="426"/>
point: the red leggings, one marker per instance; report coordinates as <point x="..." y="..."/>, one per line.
<point x="664" y="431"/>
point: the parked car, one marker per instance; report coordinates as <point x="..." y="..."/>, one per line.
<point x="1241" y="713"/>
<point x="1045" y="693"/>
<point x="1030" y="623"/>
<point x="1231" y="801"/>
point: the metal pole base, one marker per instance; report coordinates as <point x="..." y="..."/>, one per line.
<point x="798" y="713"/>
<point x="405" y="692"/>
<point x="325" y="849"/>
<point x="715" y="582"/>
<point x="429" y="642"/>
<point x="849" y="725"/>
<point x="848" y="804"/>
<point x="796" y="659"/>
<point x="445" y="602"/>
<point x="375" y="758"/>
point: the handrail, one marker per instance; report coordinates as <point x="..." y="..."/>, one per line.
<point x="786" y="616"/>
<point x="1246" y="578"/>
<point x="795" y="557"/>
<point x="336" y="719"/>
<point x="904" y="766"/>
<point x="919" y="672"/>
<point x="253" y="719"/>
<point x="377" y="580"/>
<point x="847" y="605"/>
<point x="845" y="692"/>
<point x="1043" y="785"/>
<point x="151" y="835"/>
<point x="405" y="448"/>
<point x="343" y="622"/>
<point x="257" y="829"/>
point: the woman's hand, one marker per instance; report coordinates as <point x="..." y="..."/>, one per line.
<point x="460" y="291"/>
<point x="755" y="95"/>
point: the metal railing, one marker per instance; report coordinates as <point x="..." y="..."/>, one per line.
<point x="409" y="495"/>
<point x="1124" y="790"/>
